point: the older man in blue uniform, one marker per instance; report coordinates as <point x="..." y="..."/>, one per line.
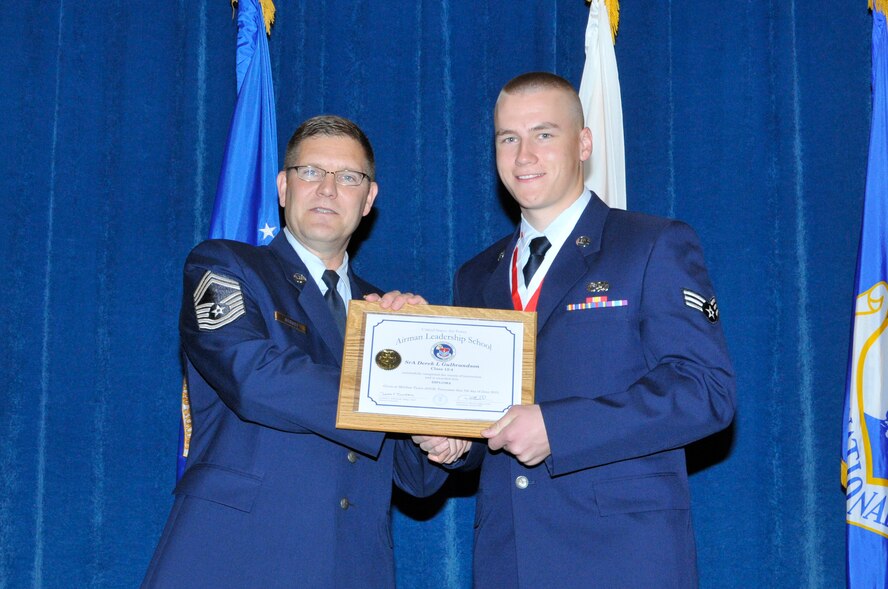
<point x="588" y="487"/>
<point x="273" y="494"/>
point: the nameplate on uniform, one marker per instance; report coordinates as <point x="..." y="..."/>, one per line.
<point x="281" y="318"/>
<point x="426" y="369"/>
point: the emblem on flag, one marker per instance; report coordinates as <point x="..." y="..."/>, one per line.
<point x="866" y="462"/>
<point x="697" y="301"/>
<point x="217" y="301"/>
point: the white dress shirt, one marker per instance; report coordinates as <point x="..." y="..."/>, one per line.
<point x="316" y="268"/>
<point x="557" y="233"/>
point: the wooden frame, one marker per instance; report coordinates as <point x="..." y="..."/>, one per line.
<point x="348" y="415"/>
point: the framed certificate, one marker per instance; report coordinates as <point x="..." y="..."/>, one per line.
<point x="449" y="371"/>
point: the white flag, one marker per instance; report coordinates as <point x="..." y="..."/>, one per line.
<point x="602" y="106"/>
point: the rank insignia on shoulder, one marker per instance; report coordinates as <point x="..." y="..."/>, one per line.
<point x="697" y="301"/>
<point x="500" y="256"/>
<point x="217" y="301"/>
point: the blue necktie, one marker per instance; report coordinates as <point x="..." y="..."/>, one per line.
<point x="334" y="301"/>
<point x="538" y="248"/>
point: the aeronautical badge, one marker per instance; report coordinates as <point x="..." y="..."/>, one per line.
<point x="598" y="286"/>
<point x="217" y="301"/>
<point x="696" y="301"/>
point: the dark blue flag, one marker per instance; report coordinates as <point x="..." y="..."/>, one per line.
<point x="865" y="440"/>
<point x="246" y="207"/>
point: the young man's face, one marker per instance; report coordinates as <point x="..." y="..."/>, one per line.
<point x="540" y="147"/>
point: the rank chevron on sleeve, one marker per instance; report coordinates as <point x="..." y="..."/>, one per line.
<point x="697" y="301"/>
<point x="217" y="301"/>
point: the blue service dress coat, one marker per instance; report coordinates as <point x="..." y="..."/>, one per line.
<point x="273" y="494"/>
<point x="622" y="389"/>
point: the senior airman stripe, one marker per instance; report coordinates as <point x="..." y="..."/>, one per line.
<point x="697" y="301"/>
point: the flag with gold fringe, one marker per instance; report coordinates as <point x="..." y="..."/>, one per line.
<point x="246" y="207"/>
<point x="600" y="94"/>
<point x="865" y="439"/>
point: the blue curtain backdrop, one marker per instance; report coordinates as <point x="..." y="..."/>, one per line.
<point x="747" y="119"/>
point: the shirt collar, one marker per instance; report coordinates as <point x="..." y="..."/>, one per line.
<point x="557" y="233"/>
<point x="314" y="264"/>
<point x="558" y="230"/>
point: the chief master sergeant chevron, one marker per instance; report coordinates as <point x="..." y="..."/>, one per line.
<point x="588" y="487"/>
<point x="273" y="494"/>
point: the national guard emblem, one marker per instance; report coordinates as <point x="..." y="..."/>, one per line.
<point x="697" y="301"/>
<point x="299" y="278"/>
<point x="388" y="359"/>
<point x="583" y="241"/>
<point x="865" y="447"/>
<point x="217" y="301"/>
<point x="443" y="351"/>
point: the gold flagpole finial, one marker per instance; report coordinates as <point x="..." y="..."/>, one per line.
<point x="267" y="13"/>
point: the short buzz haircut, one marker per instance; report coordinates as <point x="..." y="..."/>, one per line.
<point x="330" y="126"/>
<point x="534" y="81"/>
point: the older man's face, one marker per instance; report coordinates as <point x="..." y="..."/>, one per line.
<point x="323" y="215"/>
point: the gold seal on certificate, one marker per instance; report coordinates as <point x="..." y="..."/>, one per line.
<point x="434" y="370"/>
<point x="388" y="359"/>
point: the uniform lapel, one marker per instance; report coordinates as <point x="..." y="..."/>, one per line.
<point x="309" y="295"/>
<point x="570" y="264"/>
<point x="498" y="290"/>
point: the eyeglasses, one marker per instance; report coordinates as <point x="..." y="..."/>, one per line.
<point x="316" y="174"/>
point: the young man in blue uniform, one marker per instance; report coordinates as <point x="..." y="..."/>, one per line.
<point x="273" y="494"/>
<point x="588" y="487"/>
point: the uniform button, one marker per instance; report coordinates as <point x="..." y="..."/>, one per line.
<point x="521" y="482"/>
<point x="352" y="457"/>
<point x="343" y="503"/>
